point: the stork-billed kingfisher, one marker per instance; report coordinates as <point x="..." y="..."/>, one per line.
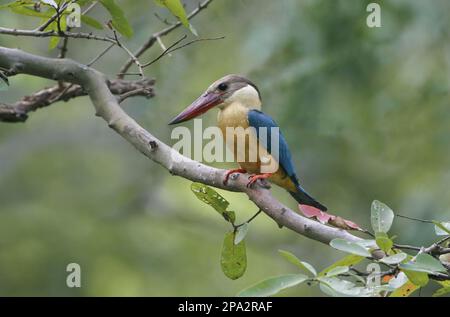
<point x="239" y="103"/>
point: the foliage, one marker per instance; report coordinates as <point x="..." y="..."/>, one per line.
<point x="405" y="275"/>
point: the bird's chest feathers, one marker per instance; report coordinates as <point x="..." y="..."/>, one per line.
<point x="233" y="116"/>
<point x="233" y="122"/>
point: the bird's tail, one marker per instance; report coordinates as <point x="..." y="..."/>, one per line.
<point x="302" y="197"/>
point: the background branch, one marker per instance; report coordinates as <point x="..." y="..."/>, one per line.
<point x="154" y="37"/>
<point x="18" y="112"/>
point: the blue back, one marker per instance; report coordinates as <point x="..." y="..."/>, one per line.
<point x="258" y="119"/>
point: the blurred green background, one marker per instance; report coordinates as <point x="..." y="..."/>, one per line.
<point x="365" y="111"/>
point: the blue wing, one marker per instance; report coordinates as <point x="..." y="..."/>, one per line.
<point x="258" y="119"/>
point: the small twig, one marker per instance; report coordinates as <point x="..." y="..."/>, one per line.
<point x="415" y="219"/>
<point x="165" y="51"/>
<point x="406" y="247"/>
<point x="153" y="38"/>
<point x="93" y="4"/>
<point x="54" y="17"/>
<point x="249" y="220"/>
<point x="52" y="33"/>
<point x="163" y="20"/>
<point x="135" y="60"/>
<point x="161" y="44"/>
<point x="172" y="47"/>
<point x="95" y="59"/>
<point x="138" y="92"/>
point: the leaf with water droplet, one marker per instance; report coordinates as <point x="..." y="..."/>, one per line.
<point x="214" y="199"/>
<point x="381" y="217"/>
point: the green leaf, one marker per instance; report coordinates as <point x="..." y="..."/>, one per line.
<point x="177" y="9"/>
<point x="442" y="291"/>
<point x="23" y="10"/>
<point x="17" y="4"/>
<point x="119" y="21"/>
<point x="91" y="22"/>
<point x="442" y="228"/>
<point x="214" y="199"/>
<point x="337" y="270"/>
<point x="349" y="260"/>
<point x="53" y="43"/>
<point x="424" y="263"/>
<point x="417" y="278"/>
<point x="296" y="261"/>
<point x="273" y="285"/>
<point x="350" y="247"/>
<point x="394" y="259"/>
<point x="234" y="258"/>
<point x="241" y="232"/>
<point x="383" y="241"/>
<point x="381" y="217"/>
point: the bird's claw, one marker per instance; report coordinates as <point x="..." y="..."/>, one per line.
<point x="254" y="178"/>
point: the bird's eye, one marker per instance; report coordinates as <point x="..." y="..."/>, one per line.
<point x="222" y="87"/>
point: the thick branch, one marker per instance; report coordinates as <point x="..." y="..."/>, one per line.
<point x="107" y="107"/>
<point x="18" y="112"/>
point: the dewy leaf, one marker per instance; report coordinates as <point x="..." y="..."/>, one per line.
<point x="394" y="259"/>
<point x="442" y="228"/>
<point x="424" y="263"/>
<point x="214" y="199"/>
<point x="337" y="270"/>
<point x="350" y="247"/>
<point x="119" y="21"/>
<point x="294" y="260"/>
<point x="234" y="258"/>
<point x="381" y="217"/>
<point x="349" y="260"/>
<point x="241" y="232"/>
<point x="273" y="285"/>
<point x="383" y="241"/>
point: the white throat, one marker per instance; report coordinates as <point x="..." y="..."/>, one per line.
<point x="247" y="96"/>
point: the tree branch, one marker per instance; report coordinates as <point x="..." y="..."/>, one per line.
<point x="18" y="112"/>
<point x="107" y="107"/>
<point x="154" y="37"/>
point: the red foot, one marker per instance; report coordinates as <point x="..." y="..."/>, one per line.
<point x="254" y="178"/>
<point x="229" y="172"/>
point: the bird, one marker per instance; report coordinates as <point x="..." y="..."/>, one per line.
<point x="239" y="102"/>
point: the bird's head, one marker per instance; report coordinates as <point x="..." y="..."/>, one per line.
<point x="222" y="93"/>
